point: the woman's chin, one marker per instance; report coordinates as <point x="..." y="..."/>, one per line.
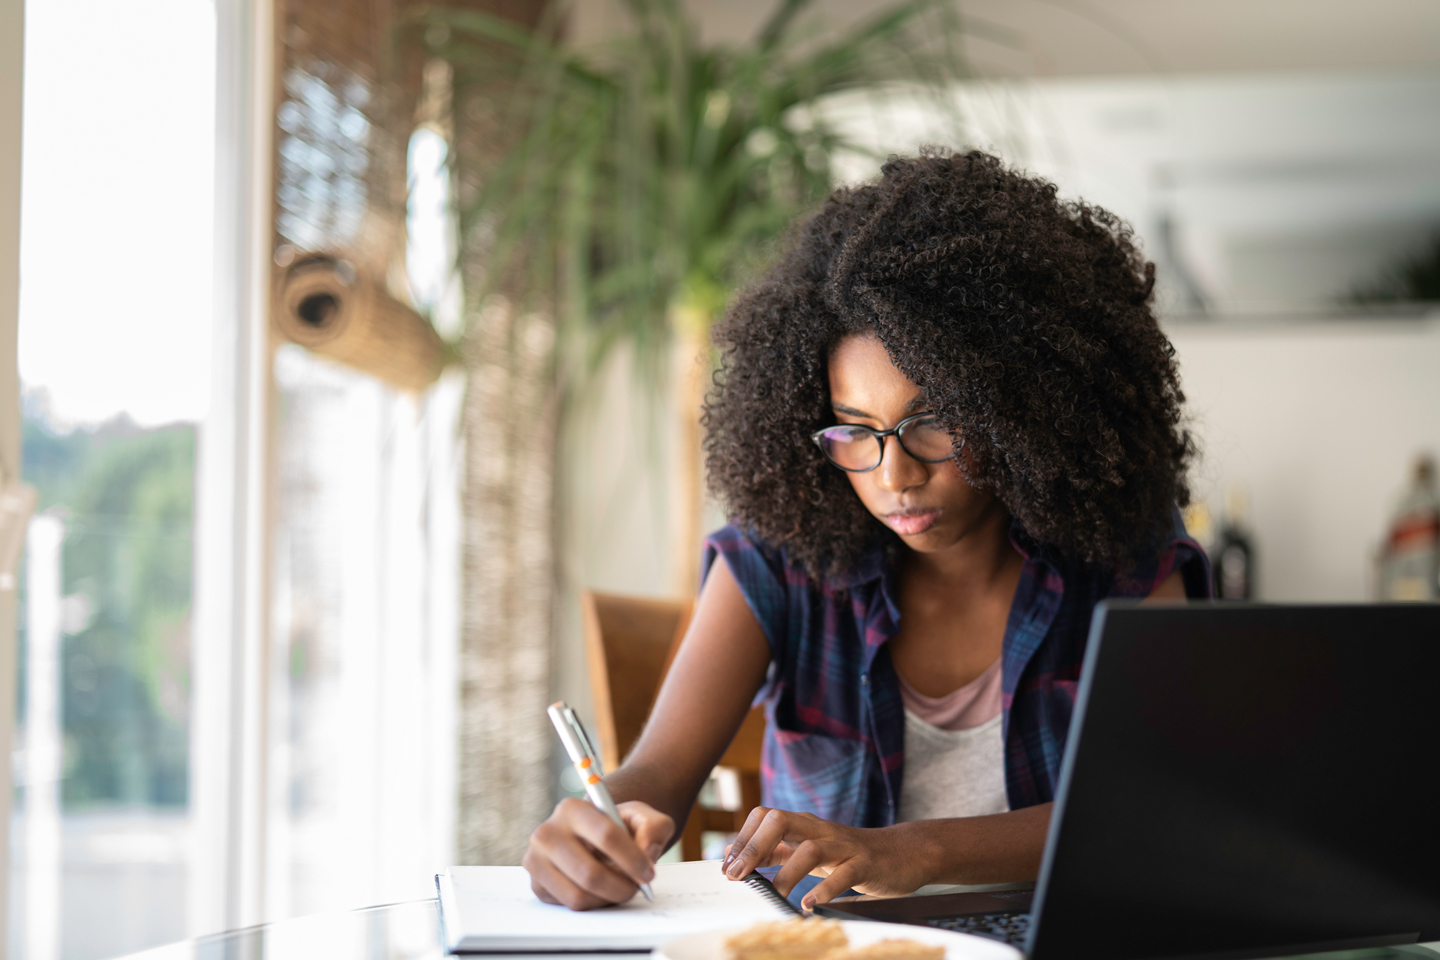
<point x="932" y="540"/>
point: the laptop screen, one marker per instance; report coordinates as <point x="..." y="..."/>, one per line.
<point x="1248" y="780"/>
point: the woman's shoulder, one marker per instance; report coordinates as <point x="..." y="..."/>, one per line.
<point x="753" y="560"/>
<point x="753" y="557"/>
<point x="1149" y="566"/>
<point x="766" y="578"/>
<point x="1174" y="551"/>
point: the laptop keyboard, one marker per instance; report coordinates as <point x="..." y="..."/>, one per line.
<point x="1006" y="927"/>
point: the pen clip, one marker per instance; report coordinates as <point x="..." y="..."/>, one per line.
<point x="584" y="738"/>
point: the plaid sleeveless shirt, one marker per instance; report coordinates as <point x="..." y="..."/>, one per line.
<point x="834" y="743"/>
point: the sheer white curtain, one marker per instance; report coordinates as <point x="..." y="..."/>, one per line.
<point x="361" y="691"/>
<point x="326" y="572"/>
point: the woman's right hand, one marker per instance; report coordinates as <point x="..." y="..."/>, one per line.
<point x="581" y="858"/>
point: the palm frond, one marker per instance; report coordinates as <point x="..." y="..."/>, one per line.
<point x="648" y="174"/>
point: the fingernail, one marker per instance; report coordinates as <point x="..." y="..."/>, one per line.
<point x="807" y="903"/>
<point x="726" y="865"/>
<point x="734" y="869"/>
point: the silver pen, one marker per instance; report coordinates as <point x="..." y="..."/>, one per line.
<point x="587" y="764"/>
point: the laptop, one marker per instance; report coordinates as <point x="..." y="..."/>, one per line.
<point x="1239" y="781"/>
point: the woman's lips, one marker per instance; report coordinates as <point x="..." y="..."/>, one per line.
<point x="908" y="523"/>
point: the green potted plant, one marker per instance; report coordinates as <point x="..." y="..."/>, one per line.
<point x="615" y="194"/>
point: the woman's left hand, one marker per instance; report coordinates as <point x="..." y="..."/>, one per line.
<point x="886" y="861"/>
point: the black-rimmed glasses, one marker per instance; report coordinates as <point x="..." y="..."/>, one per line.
<point x="859" y="449"/>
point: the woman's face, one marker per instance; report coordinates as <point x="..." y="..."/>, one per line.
<point x="930" y="505"/>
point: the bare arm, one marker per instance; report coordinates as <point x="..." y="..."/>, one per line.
<point x="1172" y="590"/>
<point x="702" y="703"/>
<point x="578" y="857"/>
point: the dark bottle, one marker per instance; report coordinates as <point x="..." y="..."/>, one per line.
<point x="1233" y="557"/>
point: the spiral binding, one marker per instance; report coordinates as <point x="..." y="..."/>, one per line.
<point x="768" y="891"/>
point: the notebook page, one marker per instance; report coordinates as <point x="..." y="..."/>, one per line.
<point x="493" y="908"/>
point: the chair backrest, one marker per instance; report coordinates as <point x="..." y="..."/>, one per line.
<point x="629" y="642"/>
<point x="743" y="754"/>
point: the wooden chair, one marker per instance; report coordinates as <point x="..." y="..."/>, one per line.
<point x="629" y="645"/>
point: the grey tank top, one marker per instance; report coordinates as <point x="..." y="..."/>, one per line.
<point x="952" y="773"/>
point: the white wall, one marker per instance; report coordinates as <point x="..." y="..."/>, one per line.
<point x="616" y="505"/>
<point x="1320" y="422"/>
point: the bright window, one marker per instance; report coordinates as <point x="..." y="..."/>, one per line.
<point x="115" y="360"/>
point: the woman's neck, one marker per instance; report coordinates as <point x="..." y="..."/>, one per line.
<point x="954" y="607"/>
<point x="979" y="560"/>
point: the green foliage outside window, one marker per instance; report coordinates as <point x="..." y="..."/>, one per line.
<point x="127" y="498"/>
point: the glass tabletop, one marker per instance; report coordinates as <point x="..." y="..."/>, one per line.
<point x="411" y="931"/>
<point x="397" y="931"/>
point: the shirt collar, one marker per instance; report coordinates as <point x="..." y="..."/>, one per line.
<point x="1026" y="545"/>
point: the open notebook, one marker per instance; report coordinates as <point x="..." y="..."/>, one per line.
<point x="492" y="910"/>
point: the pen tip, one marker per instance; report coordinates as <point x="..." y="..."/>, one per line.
<point x="649" y="894"/>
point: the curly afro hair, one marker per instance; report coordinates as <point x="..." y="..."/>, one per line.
<point x="1025" y="320"/>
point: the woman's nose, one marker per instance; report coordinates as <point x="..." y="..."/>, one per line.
<point x="898" y="470"/>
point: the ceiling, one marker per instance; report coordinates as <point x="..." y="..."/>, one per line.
<point x="1076" y="38"/>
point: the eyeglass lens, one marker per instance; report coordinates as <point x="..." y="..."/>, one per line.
<point x="853" y="447"/>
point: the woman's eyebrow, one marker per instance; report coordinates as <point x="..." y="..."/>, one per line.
<point x="910" y="407"/>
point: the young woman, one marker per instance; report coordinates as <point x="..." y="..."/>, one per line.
<point x="946" y="425"/>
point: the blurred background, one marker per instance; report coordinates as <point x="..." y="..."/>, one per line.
<point x="304" y="572"/>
